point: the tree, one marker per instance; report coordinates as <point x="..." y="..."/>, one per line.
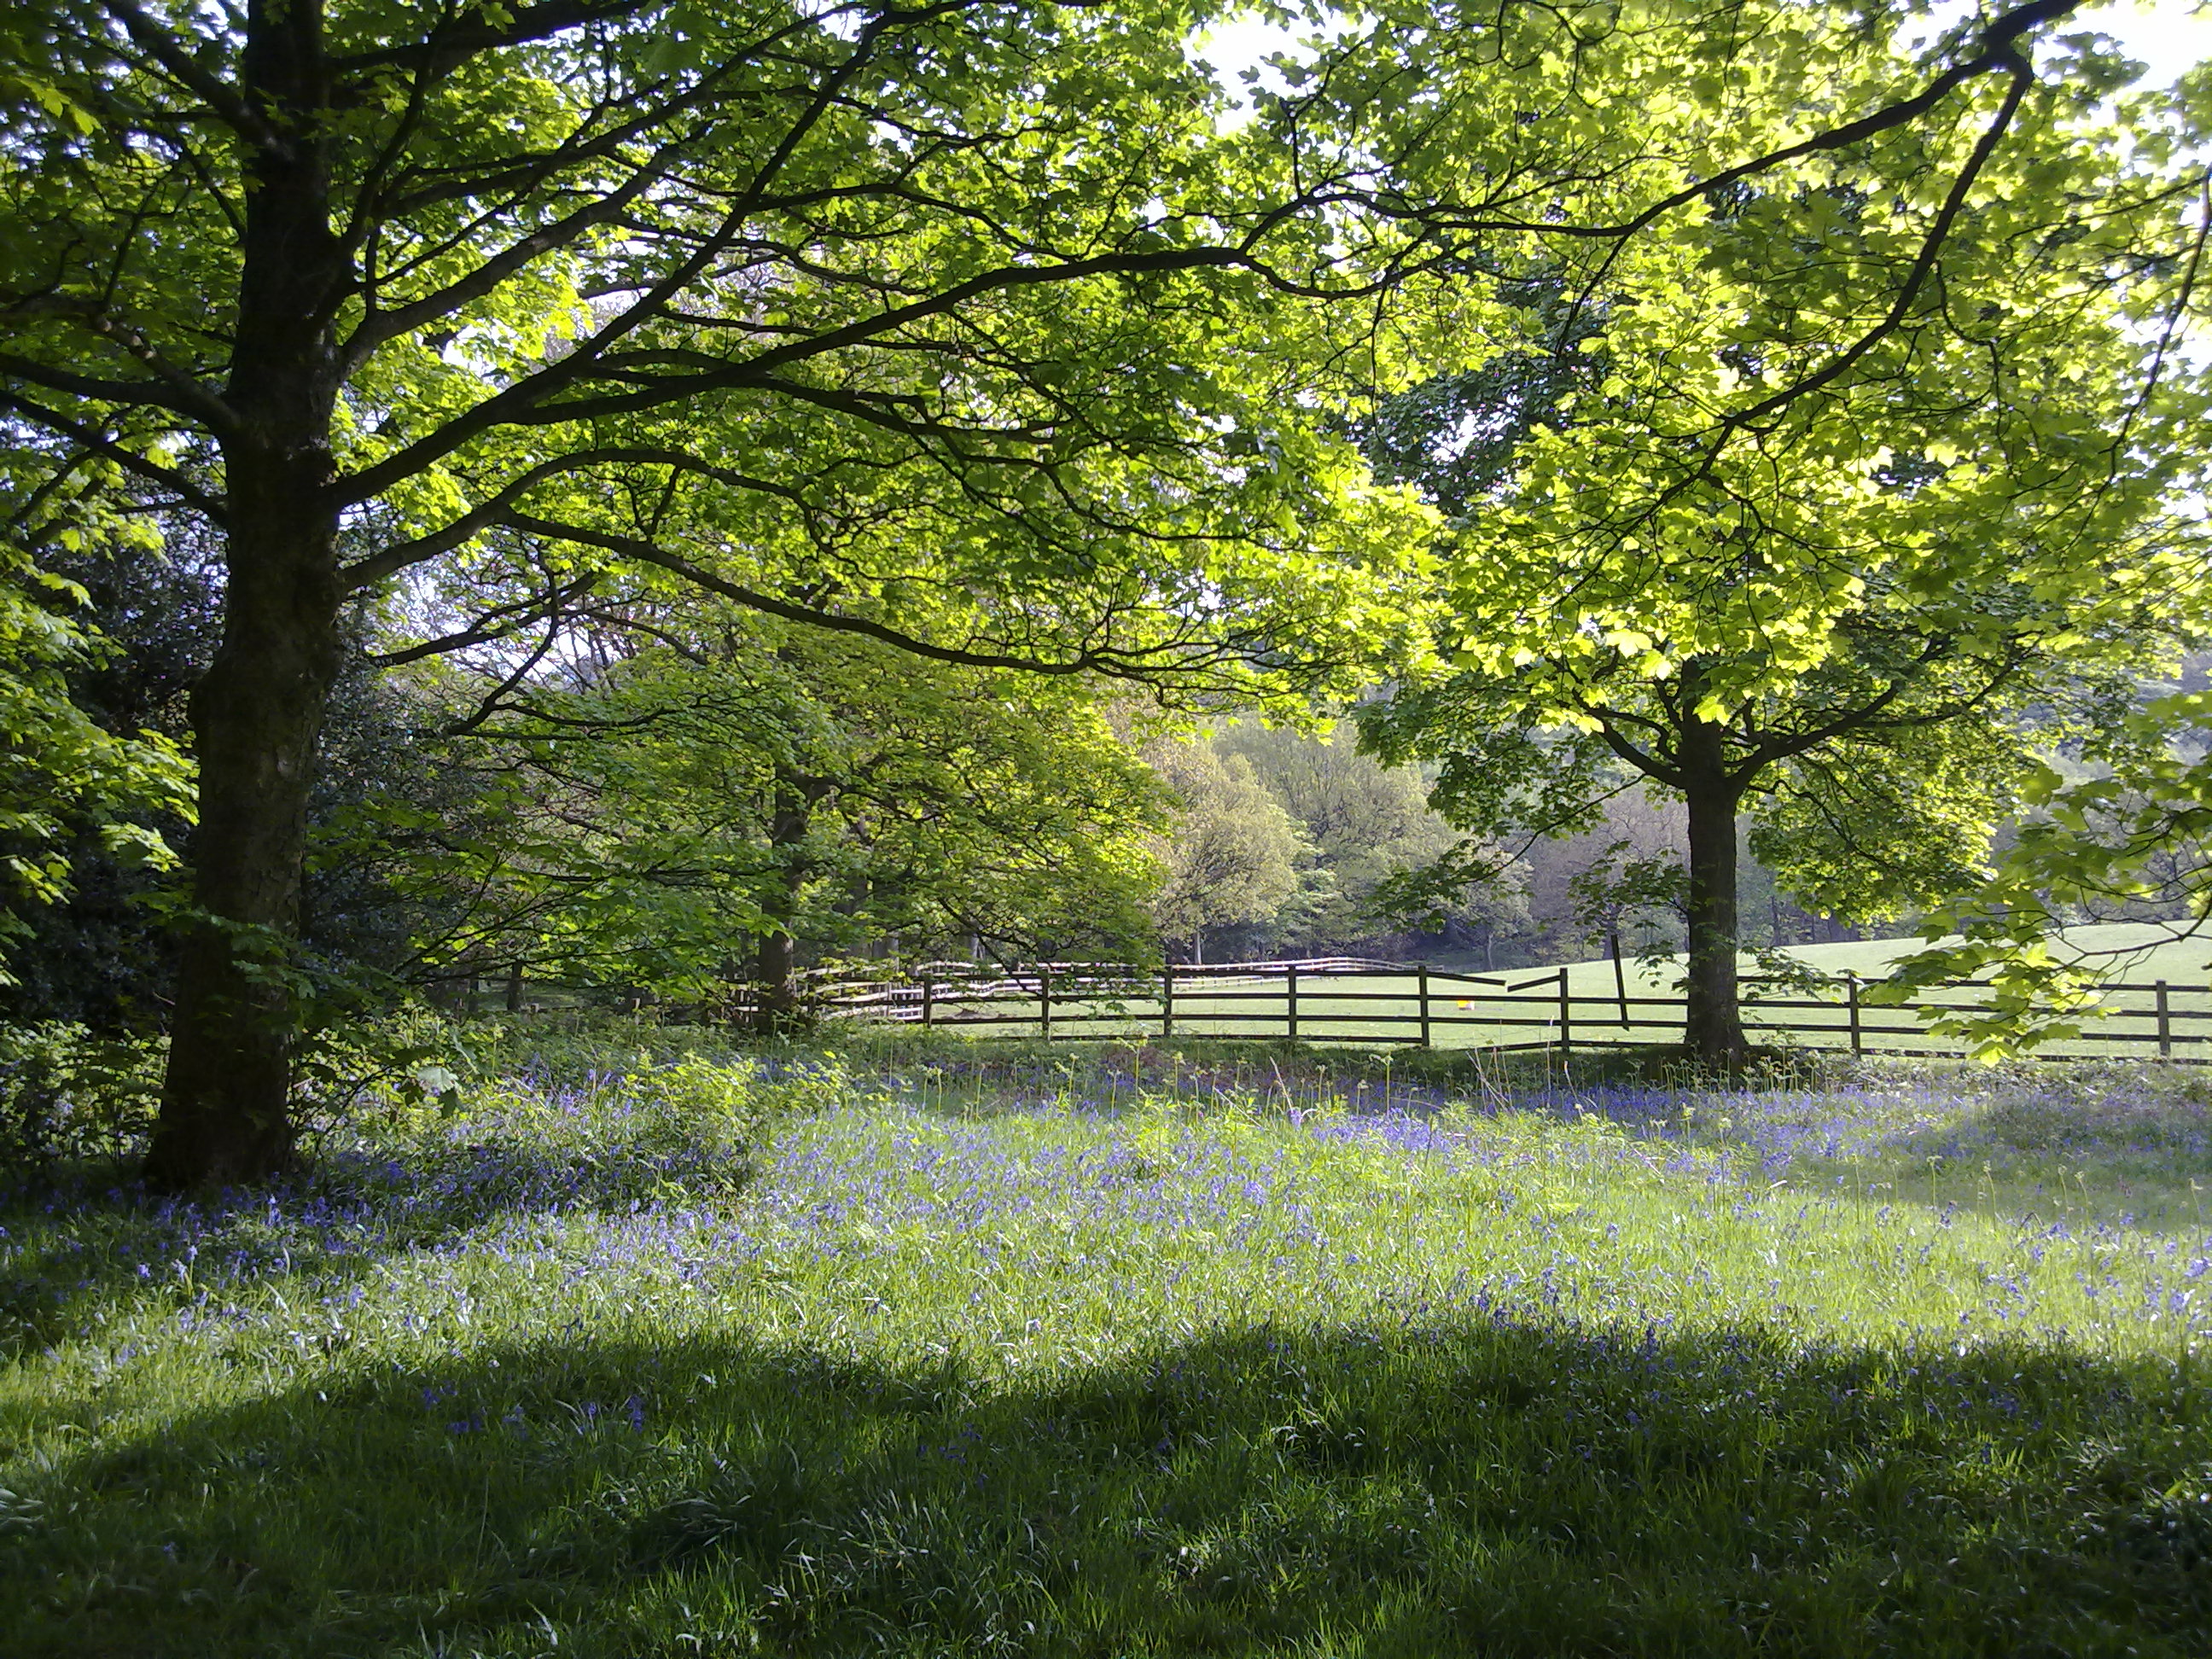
<point x="723" y="797"/>
<point x="1843" y="607"/>
<point x="1231" y="853"/>
<point x="953" y="326"/>
<point x="848" y="314"/>
<point x="1362" y="824"/>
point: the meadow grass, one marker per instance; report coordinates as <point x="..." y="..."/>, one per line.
<point x="930" y="1348"/>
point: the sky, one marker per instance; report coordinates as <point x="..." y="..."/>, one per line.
<point x="2168" y="36"/>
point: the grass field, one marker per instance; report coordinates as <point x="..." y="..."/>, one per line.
<point x="1519" y="1007"/>
<point x="1133" y="1351"/>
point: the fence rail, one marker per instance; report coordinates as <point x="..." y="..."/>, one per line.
<point x="1352" y="999"/>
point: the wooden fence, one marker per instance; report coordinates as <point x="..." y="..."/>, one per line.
<point x="1350" y="999"/>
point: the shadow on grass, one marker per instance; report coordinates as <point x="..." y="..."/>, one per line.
<point x="1458" y="1484"/>
<point x="82" y="1242"/>
<point x="2092" y="1147"/>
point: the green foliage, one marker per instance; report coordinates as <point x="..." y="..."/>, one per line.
<point x="68" y="1095"/>
<point x="646" y="821"/>
<point x="1232" y="856"/>
<point x="2132" y="834"/>
<point x="938" y="334"/>
<point x="62" y="775"/>
<point x="1362" y="825"/>
<point x="1845" y="544"/>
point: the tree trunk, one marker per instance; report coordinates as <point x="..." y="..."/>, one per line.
<point x="778" y="1011"/>
<point x="514" y="987"/>
<point x="1713" y="1026"/>
<point x="777" y="974"/>
<point x="226" y="1102"/>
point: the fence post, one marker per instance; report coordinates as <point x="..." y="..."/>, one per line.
<point x="2165" y="1023"/>
<point x="1424" y="1005"/>
<point x="1851" y="1000"/>
<point x="1167" y="999"/>
<point x="927" y="1009"/>
<point x="1290" y="999"/>
<point x="1566" y="1017"/>
<point x="1044" y="1002"/>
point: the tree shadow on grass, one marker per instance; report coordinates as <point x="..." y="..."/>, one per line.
<point x="1445" y="1485"/>
<point x="80" y="1244"/>
<point x="2091" y="1151"/>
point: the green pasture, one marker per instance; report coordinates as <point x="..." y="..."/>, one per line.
<point x="1520" y="1008"/>
<point x="939" y="1349"/>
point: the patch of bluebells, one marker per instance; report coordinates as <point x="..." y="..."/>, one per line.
<point x="589" y="1176"/>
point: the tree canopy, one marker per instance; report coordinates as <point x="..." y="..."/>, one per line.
<point x="684" y="810"/>
<point x="960" y="327"/>
<point x="1863" y="606"/>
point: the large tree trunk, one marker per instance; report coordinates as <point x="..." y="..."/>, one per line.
<point x="226" y="1103"/>
<point x="1713" y="1026"/>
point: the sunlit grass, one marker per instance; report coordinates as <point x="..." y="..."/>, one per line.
<point x="1135" y="1350"/>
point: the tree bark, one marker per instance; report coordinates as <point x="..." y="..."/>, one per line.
<point x="225" y="1101"/>
<point x="1713" y="1025"/>
<point x="257" y="715"/>
<point x="777" y="975"/>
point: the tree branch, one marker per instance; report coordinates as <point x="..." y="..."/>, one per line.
<point x="1116" y="665"/>
<point x="167" y="49"/>
<point x="493" y="513"/>
<point x="498" y="623"/>
<point x="209" y="506"/>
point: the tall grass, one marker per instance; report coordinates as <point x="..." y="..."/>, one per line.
<point x="923" y="1349"/>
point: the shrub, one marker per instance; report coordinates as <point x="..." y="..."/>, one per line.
<point x="66" y="1094"/>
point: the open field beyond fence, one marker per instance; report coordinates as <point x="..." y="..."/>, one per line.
<point x="1588" y="1005"/>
